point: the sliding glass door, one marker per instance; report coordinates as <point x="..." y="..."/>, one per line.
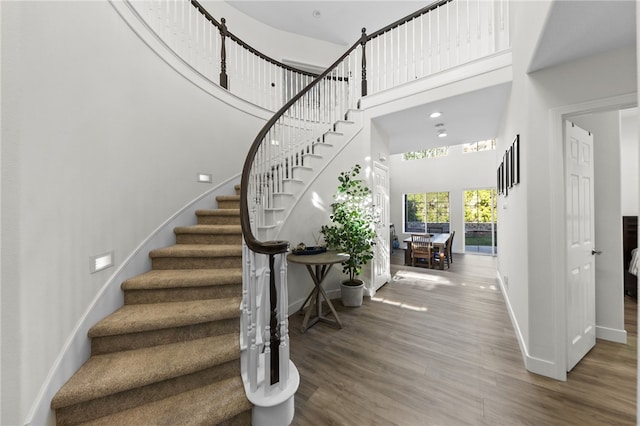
<point x="480" y="221"/>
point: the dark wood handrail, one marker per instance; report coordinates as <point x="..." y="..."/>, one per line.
<point x="408" y="18"/>
<point x="235" y="38"/>
<point x="274" y="247"/>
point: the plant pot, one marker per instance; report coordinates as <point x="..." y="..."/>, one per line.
<point x="352" y="293"/>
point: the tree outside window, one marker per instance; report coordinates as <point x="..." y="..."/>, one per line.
<point x="426" y="211"/>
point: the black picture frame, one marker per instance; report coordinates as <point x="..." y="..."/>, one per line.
<point x="516" y="159"/>
<point x="510" y="162"/>
<point x="505" y="175"/>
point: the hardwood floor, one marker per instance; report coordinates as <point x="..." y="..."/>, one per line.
<point x="437" y="348"/>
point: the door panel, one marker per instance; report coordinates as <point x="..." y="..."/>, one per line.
<point x="581" y="333"/>
<point x="381" y="251"/>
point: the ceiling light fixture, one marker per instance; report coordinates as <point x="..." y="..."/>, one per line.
<point x="316" y="14"/>
<point x="442" y="134"/>
<point x="435" y="114"/>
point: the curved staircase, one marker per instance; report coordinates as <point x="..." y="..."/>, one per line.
<point x="171" y="354"/>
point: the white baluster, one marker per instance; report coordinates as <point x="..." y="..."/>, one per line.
<point x="266" y="335"/>
<point x="284" y="323"/>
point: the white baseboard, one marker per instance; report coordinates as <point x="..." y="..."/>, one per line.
<point x="535" y="365"/>
<point x="611" y="334"/>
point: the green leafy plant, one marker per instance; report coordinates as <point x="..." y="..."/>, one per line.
<point x="354" y="218"/>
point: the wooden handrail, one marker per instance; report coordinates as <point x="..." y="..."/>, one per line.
<point x="222" y="27"/>
<point x="408" y="18"/>
<point x="274" y="247"/>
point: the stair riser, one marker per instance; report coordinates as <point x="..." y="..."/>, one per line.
<point x="228" y="204"/>
<point x="96" y="408"/>
<point x="225" y="239"/>
<point x="132" y="297"/>
<point x="218" y="220"/>
<point x="304" y="174"/>
<point x="196" y="262"/>
<point x="125" y="342"/>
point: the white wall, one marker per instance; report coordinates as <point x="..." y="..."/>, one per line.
<point x="605" y="127"/>
<point x="629" y="162"/>
<point x="454" y="173"/>
<point x="532" y="225"/>
<point x="101" y="142"/>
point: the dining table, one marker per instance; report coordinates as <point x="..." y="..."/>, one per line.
<point x="438" y="242"/>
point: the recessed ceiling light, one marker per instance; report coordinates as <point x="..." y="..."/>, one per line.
<point x="442" y="134"/>
<point x="435" y="114"/>
<point x="316" y="14"/>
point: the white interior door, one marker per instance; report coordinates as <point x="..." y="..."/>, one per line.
<point x="381" y="251"/>
<point x="581" y="304"/>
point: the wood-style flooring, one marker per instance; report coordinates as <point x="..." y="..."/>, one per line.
<point x="438" y="348"/>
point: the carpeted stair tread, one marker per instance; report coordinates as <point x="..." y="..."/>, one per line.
<point x="176" y="278"/>
<point x="209" y="229"/>
<point x="112" y="373"/>
<point x="197" y="250"/>
<point x="228" y="198"/>
<point x="218" y="212"/>
<point x="157" y="316"/>
<point x="207" y="405"/>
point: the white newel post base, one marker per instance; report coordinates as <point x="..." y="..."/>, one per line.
<point x="278" y="408"/>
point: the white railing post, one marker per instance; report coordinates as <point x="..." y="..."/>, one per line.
<point x="284" y="323"/>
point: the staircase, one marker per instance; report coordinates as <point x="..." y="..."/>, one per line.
<point x="171" y="354"/>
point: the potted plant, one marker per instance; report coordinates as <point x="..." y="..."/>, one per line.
<point x="352" y="232"/>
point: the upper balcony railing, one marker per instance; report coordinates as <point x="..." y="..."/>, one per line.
<point x="210" y="48"/>
<point x="451" y="33"/>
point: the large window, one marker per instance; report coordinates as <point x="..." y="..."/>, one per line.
<point x="426" y="153"/>
<point x="480" y="221"/>
<point x="426" y="212"/>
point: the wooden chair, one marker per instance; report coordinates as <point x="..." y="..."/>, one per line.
<point x="450" y="246"/>
<point x="420" y="248"/>
<point x="444" y="257"/>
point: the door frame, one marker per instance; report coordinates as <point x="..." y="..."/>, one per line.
<point x="557" y="202"/>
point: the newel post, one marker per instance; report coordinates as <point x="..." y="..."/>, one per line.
<point x="223" y="55"/>
<point x="363" y="43"/>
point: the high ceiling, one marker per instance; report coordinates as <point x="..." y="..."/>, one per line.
<point x="574" y="29"/>
<point x="339" y="22"/>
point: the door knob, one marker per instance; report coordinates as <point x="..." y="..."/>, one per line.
<point x="594" y="251"/>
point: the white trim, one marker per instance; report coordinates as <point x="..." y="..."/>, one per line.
<point x="77" y="348"/>
<point x="557" y="246"/>
<point x="611" y="334"/>
<point x="535" y="365"/>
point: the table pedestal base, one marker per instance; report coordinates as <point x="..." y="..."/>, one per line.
<point x="315" y="299"/>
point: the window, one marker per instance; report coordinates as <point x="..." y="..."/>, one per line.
<point x="479" y="146"/>
<point x="480" y="221"/>
<point x="426" y="211"/>
<point x="426" y="153"/>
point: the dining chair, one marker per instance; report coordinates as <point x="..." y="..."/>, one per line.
<point x="450" y="247"/>
<point x="444" y="257"/>
<point x="420" y="248"/>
